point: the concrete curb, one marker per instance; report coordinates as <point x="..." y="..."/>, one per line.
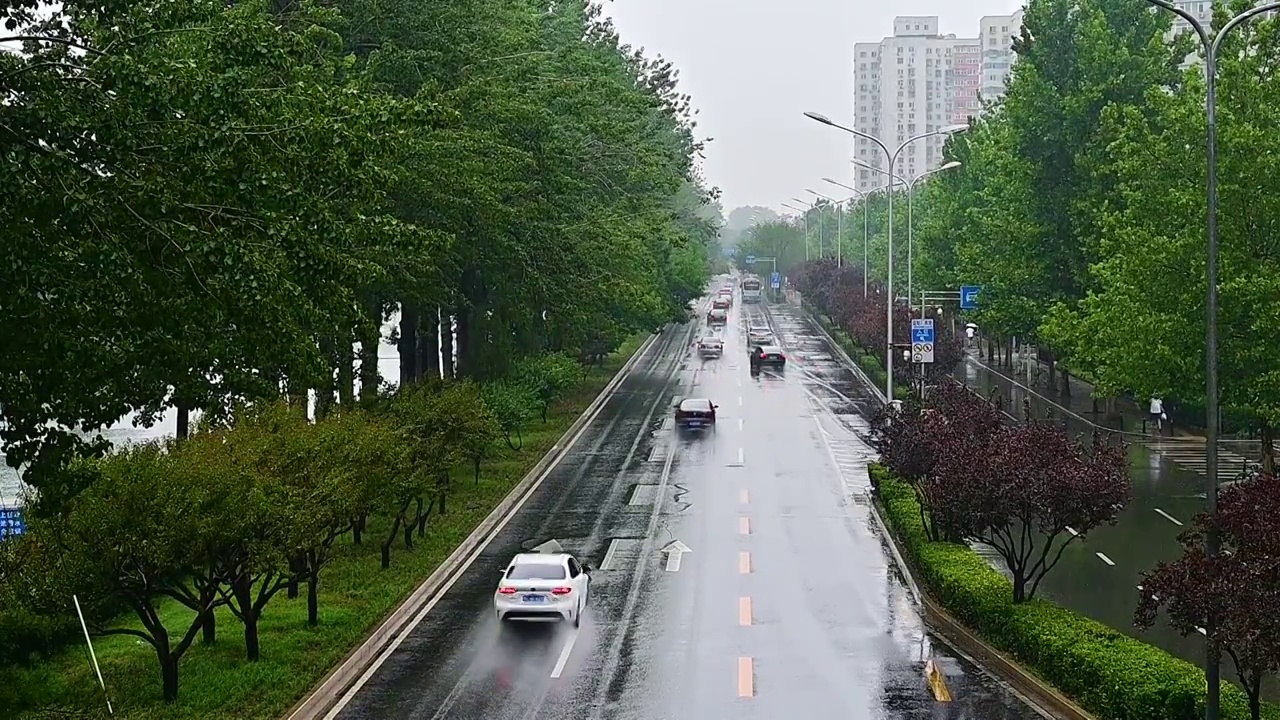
<point x="326" y="694"/>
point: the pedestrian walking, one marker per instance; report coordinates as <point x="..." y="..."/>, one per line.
<point x="1157" y="413"/>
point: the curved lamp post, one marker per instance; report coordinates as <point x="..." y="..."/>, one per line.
<point x="864" y="228"/>
<point x="893" y="159"/>
<point x="835" y="206"/>
<point x="1212" y="45"/>
<point x="911" y="191"/>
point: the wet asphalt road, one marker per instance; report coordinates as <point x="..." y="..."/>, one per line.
<point x="786" y="606"/>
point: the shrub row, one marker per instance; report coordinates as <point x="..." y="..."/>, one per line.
<point x="869" y="363"/>
<point x="1110" y="674"/>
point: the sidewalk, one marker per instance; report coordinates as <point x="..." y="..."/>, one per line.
<point x="1077" y="413"/>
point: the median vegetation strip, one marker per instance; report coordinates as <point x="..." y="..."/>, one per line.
<point x="354" y="591"/>
<point x="1110" y="674"/>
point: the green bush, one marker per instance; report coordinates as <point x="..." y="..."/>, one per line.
<point x="1110" y="674"/>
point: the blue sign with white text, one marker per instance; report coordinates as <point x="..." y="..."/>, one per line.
<point x="922" y="330"/>
<point x="969" y="296"/>
<point x="751" y="259"/>
<point x="776" y="280"/>
<point x="12" y="522"/>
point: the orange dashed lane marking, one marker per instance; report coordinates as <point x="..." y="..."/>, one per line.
<point x="744" y="611"/>
<point x="744" y="563"/>
<point x="744" y="526"/>
<point x="746" y="678"/>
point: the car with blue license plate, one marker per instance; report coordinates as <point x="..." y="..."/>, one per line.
<point x="543" y="587"/>
<point x="695" y="414"/>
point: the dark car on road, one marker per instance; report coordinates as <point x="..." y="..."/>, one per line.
<point x="768" y="356"/>
<point x="693" y="413"/>
<point x="717" y="316"/>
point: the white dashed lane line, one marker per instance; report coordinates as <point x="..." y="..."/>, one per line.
<point x="1106" y="559"/>
<point x="1169" y="517"/>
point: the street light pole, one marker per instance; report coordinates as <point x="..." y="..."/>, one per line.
<point x="893" y="159"/>
<point x="911" y="192"/>
<point x="865" y="234"/>
<point x="808" y="206"/>
<point x="1212" y="671"/>
<point x="835" y="205"/>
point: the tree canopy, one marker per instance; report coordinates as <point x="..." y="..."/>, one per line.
<point x="211" y="203"/>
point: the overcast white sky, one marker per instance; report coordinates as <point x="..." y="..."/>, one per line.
<point x="753" y="66"/>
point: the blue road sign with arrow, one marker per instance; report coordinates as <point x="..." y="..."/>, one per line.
<point x="969" y="296"/>
<point x="751" y="259"/>
<point x="922" y="330"/>
<point x="776" y="280"/>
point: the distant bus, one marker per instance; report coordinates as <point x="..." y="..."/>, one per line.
<point x="751" y="290"/>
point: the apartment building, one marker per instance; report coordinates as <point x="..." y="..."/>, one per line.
<point x="965" y="82"/>
<point x="905" y="86"/>
<point x="996" y="34"/>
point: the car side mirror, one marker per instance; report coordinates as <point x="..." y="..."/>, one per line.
<point x="714" y="406"/>
<point x="586" y="568"/>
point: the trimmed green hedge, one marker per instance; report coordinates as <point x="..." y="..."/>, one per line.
<point x="1108" y="673"/>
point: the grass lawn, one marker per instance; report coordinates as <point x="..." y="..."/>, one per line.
<point x="355" y="595"/>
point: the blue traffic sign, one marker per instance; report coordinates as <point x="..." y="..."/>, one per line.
<point x="922" y="330"/>
<point x="751" y="259"/>
<point x="776" y="280"/>
<point x="12" y="522"/>
<point x="969" y="296"/>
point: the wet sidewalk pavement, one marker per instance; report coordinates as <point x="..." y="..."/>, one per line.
<point x="1099" y="574"/>
<point x="1079" y="413"/>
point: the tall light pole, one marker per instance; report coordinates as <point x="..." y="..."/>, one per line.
<point x="809" y="206"/>
<point x="864" y="228"/>
<point x="1211" y="47"/>
<point x="835" y="205"/>
<point x="911" y="192"/>
<point x="893" y="159"/>
<point x="804" y="216"/>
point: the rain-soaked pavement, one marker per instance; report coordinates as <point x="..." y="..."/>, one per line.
<point x="1099" y="577"/>
<point x="786" y="605"/>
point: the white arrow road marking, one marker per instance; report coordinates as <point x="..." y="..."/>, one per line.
<point x="675" y="553"/>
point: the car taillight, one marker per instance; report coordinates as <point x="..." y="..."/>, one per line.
<point x="507" y="591"/>
<point x="561" y="591"/>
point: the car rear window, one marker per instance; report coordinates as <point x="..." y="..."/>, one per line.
<point x="698" y="405"/>
<point x="536" y="571"/>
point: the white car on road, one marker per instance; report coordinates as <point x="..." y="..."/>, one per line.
<point x="543" y="587"/>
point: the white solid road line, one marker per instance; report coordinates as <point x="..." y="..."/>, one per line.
<point x="1106" y="559"/>
<point x="1169" y="517"/>
<point x="564" y="654"/>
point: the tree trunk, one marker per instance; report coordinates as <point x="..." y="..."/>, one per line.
<point x="296" y="567"/>
<point x="242" y="589"/>
<point x="370" y="339"/>
<point x="357" y="530"/>
<point x="408" y="343"/>
<point x="1066" y="383"/>
<point x="313" y="589"/>
<point x="476" y="460"/>
<point x="209" y="626"/>
<point x="1019" y="587"/>
<point x="1268" y="448"/>
<point x="168" y="672"/>
<point x="345" y="354"/>
<point x="391" y="536"/>
<point x="429" y="344"/>
<point x="1255" y="701"/>
<point x="446" y="346"/>
<point x="324" y="391"/>
<point x="183" y="430"/>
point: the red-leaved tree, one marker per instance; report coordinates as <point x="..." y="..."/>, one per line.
<point x="926" y="442"/>
<point x="1021" y="492"/>
<point x="1233" y="595"/>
